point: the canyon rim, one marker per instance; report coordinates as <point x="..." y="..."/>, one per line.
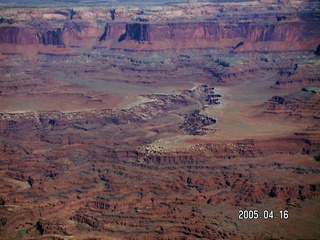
<point x="160" y="120"/>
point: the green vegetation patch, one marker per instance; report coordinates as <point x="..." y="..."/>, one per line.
<point x="21" y="233"/>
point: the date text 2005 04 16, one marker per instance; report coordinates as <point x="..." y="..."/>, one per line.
<point x="266" y="214"/>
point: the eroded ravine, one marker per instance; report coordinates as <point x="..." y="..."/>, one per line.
<point x="123" y="123"/>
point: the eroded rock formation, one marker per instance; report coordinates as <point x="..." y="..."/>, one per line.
<point x="216" y="23"/>
<point x="159" y="122"/>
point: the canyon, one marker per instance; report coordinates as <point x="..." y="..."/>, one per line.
<point x="160" y="120"/>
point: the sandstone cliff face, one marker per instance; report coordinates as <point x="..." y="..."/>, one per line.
<point x="137" y="32"/>
<point x="251" y="32"/>
<point x="77" y="30"/>
<point x="89" y="169"/>
<point x="17" y="35"/>
<point x="51" y="37"/>
<point x="27" y="35"/>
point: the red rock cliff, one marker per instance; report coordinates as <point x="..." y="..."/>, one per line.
<point x="91" y="27"/>
<point x="27" y="35"/>
<point x="286" y="32"/>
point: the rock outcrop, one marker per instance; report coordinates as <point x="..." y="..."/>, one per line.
<point x="301" y="105"/>
<point x="27" y="35"/>
<point x="160" y="122"/>
<point x="65" y="27"/>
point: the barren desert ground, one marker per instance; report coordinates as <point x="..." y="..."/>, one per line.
<point x="160" y="120"/>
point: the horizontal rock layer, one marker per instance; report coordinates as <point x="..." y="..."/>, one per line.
<point x="230" y="22"/>
<point x="210" y="31"/>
